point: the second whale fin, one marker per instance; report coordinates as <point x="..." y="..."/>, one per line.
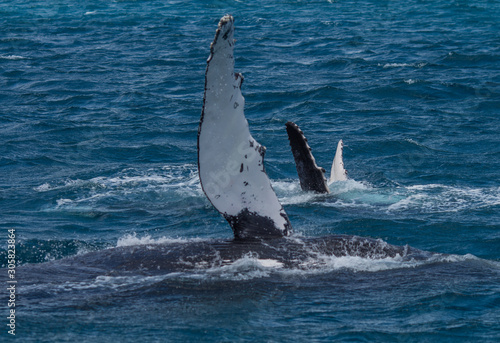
<point x="338" y="173"/>
<point x="311" y="177"/>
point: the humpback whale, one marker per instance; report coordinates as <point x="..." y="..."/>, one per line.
<point x="312" y="177"/>
<point x="232" y="176"/>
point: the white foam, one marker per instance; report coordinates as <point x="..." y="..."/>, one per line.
<point x="124" y="180"/>
<point x="424" y="187"/>
<point x="290" y="192"/>
<point x="303" y="198"/>
<point x="423" y="198"/>
<point x="43" y="188"/>
<point x="114" y="282"/>
<point x="326" y="263"/>
<point x="410" y="81"/>
<point x="251" y="267"/>
<point x="177" y="175"/>
<point x="396" y="65"/>
<point x="246" y="268"/>
<point x="168" y="182"/>
<point x="404" y="65"/>
<point x="350" y="185"/>
<point x="12" y="57"/>
<point x="322" y="264"/>
<point x="63" y="202"/>
<point x="132" y="240"/>
<point x="443" y="198"/>
<point x="289" y="186"/>
<point x="453" y="258"/>
<point x="270" y="263"/>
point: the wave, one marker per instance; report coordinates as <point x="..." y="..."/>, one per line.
<point x="431" y="198"/>
<point x="176" y="183"/>
<point x="12" y="57"/>
<point x="176" y="176"/>
<point x="404" y="65"/>
<point x="434" y="198"/>
<point x="133" y="240"/>
<point x="106" y="193"/>
<point x="251" y="267"/>
<point x="101" y="282"/>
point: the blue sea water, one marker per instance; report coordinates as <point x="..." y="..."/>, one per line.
<point x="99" y="110"/>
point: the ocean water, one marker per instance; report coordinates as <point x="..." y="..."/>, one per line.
<point x="99" y="110"/>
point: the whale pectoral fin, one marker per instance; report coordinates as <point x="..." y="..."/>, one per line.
<point x="230" y="161"/>
<point x="312" y="177"/>
<point x="338" y="173"/>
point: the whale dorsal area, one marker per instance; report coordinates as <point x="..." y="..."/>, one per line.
<point x="311" y="177"/>
<point x="230" y="160"/>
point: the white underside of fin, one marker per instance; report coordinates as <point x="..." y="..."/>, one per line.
<point x="338" y="173"/>
<point x="230" y="161"/>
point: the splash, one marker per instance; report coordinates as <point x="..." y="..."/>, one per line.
<point x="132" y="240"/>
<point x="436" y="198"/>
<point x="290" y="193"/>
<point x="12" y="57"/>
<point x="155" y="186"/>
<point x="246" y="268"/>
<point x="404" y="65"/>
<point x="432" y="198"/>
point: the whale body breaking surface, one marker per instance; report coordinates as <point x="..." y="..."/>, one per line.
<point x="232" y="175"/>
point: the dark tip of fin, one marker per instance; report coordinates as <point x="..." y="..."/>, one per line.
<point x="312" y="177"/>
<point x="250" y="225"/>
